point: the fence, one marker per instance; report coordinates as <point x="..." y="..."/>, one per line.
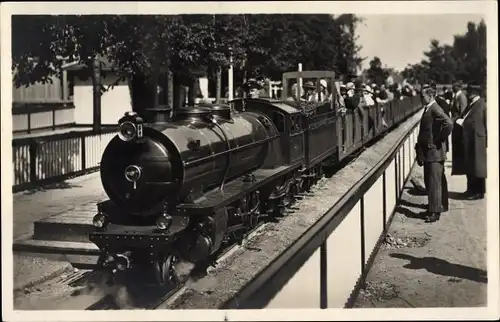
<point x="330" y="258"/>
<point x="45" y="159"/>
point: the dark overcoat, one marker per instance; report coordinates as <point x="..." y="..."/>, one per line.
<point x="474" y="140"/>
<point x="458" y="166"/>
<point x="435" y="127"/>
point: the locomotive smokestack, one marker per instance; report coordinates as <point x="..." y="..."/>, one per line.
<point x="160" y="114"/>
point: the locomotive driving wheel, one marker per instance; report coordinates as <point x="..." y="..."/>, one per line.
<point x="164" y="270"/>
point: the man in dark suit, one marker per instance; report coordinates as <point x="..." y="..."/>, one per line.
<point x="435" y="127"/>
<point x="473" y="124"/>
<point x="445" y="105"/>
<point x="458" y="105"/>
<point x="459" y="101"/>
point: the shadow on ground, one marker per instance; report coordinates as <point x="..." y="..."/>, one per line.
<point x="415" y="192"/>
<point x="406" y="203"/>
<point x="409" y="213"/>
<point x="54" y="186"/>
<point x="444" y="268"/>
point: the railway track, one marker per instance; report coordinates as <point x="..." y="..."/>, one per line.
<point x="150" y="297"/>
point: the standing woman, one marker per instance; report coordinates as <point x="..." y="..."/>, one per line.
<point x="473" y="124"/>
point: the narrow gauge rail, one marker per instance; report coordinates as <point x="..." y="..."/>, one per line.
<point x="156" y="296"/>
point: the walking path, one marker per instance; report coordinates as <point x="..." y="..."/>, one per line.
<point x="30" y="206"/>
<point x="442" y="264"/>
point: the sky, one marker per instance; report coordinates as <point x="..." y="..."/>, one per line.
<point x="406" y="37"/>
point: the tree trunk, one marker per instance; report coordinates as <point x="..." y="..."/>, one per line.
<point x="96" y="93"/>
<point x="178" y="93"/>
<point x="191" y="93"/>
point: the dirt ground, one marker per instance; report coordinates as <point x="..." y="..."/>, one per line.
<point x="441" y="264"/>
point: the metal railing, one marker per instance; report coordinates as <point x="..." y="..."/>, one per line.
<point x="45" y="159"/>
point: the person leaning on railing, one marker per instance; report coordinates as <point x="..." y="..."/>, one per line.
<point x="323" y="94"/>
<point x="381" y="99"/>
<point x="352" y="97"/>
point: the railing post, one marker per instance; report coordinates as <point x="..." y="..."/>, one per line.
<point x="53" y="118"/>
<point x="362" y="233"/>
<point x="29" y="121"/>
<point x="384" y="201"/>
<point x="33" y="151"/>
<point x="84" y="155"/>
<point x="396" y="180"/>
<point x="323" y="280"/>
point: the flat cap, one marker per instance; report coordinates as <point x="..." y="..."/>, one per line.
<point x="428" y="86"/>
<point x="252" y="83"/>
<point x="458" y="83"/>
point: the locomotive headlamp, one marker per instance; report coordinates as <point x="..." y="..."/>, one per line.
<point x="100" y="220"/>
<point x="128" y="131"/>
<point x="130" y="127"/>
<point x="164" y="222"/>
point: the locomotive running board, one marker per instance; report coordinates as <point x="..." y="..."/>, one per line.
<point x="215" y="199"/>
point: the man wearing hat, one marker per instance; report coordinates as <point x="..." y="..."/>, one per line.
<point x="309" y="91"/>
<point x="435" y="127"/>
<point x="473" y="124"/>
<point x="352" y="98"/>
<point x="252" y="87"/>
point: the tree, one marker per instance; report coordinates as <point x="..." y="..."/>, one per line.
<point x="376" y="73"/>
<point x="464" y="60"/>
<point x="143" y="46"/>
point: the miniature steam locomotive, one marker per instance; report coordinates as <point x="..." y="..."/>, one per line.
<point x="178" y="188"/>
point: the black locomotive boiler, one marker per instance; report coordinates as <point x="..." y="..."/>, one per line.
<point x="179" y="188"/>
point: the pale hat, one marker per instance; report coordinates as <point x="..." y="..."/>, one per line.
<point x="323" y="83"/>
